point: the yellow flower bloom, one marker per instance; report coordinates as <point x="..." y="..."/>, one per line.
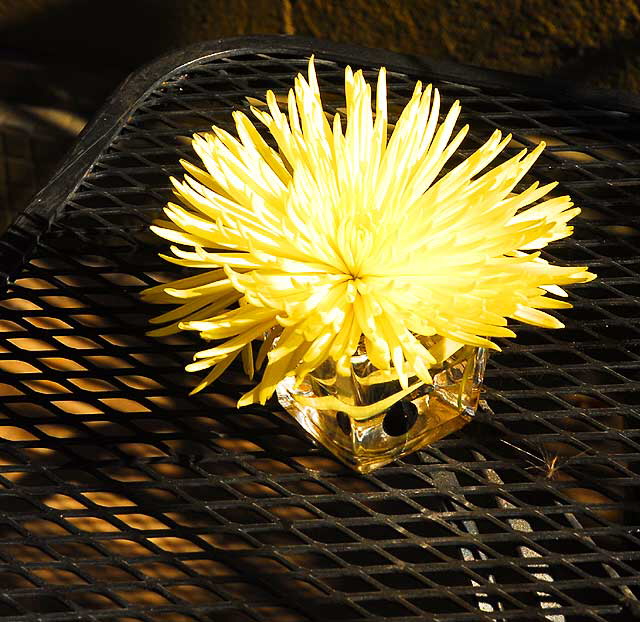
<point x="343" y="234"/>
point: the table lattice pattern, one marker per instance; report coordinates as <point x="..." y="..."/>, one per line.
<point x="122" y="498"/>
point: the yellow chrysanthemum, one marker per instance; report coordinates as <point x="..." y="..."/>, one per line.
<point x="342" y="234"/>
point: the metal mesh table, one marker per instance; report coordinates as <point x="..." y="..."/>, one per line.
<point x="124" y="499"/>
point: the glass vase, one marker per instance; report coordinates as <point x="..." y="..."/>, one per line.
<point x="423" y="416"/>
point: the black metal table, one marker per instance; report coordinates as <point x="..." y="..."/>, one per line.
<point x="124" y="499"/>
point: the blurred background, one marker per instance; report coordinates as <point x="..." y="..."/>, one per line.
<point x="60" y="59"/>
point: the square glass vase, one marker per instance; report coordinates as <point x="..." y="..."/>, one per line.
<point x="423" y="416"/>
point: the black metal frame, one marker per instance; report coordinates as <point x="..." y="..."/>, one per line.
<point x="122" y="498"/>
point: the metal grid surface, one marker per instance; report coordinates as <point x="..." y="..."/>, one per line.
<point x="121" y="498"/>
